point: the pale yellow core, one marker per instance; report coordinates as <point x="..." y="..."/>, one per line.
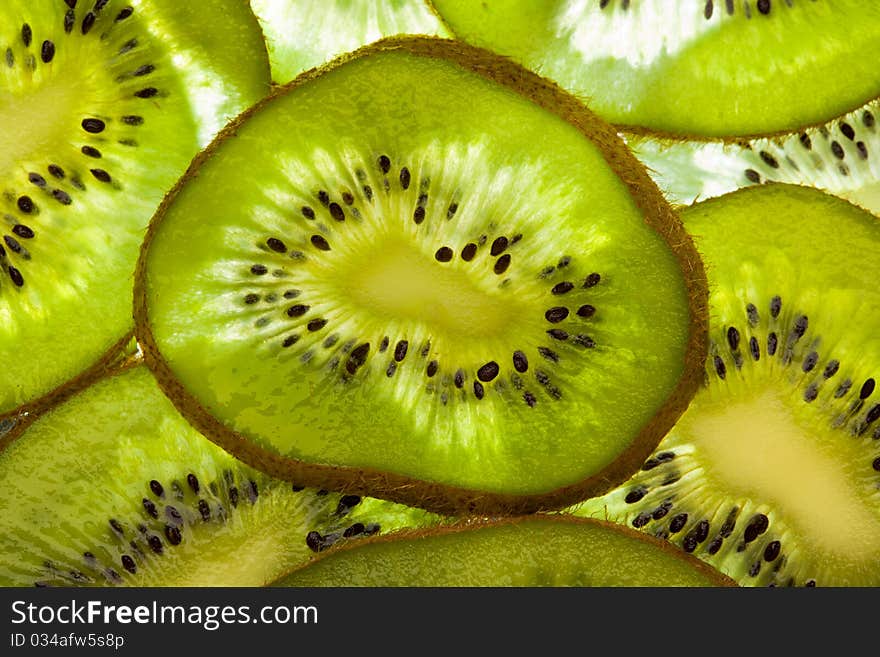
<point x="38" y="119"/>
<point x="757" y="448"/>
<point x="402" y="283"/>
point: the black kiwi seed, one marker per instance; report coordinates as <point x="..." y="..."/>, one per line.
<point x="810" y="361"/>
<point x="384" y="163"/>
<point x="757" y="526"/>
<point x="502" y="264"/>
<point x="23" y="231"/>
<point x="276" y="245"/>
<point x="458" y="379"/>
<point x="25" y="204"/>
<point x="520" y="361"/>
<point x="549" y="354"/>
<point x="157" y="489"/>
<point x="592" y="280"/>
<point x="148" y="92"/>
<point x="753" y="176"/>
<point x="124" y="13"/>
<point x="297" y="310"/>
<point x="15" y="276"/>
<point x="26" y="34"/>
<point x="337" y="212"/>
<point x="556" y="314"/>
<point x="150" y="508"/>
<point x="707" y="11"/>
<point x="754" y="348"/>
<point x="419" y="214"/>
<point x="320" y="243"/>
<point x="47" y="51"/>
<point x="468" y="252"/>
<point x="478" y="390"/>
<point x="733" y="338"/>
<point x="172" y="533"/>
<point x="101" y="175"/>
<point x="193" y="482"/>
<point x="443" y="254"/>
<point x="635" y="495"/>
<point x="400" y="350"/>
<point x="498" y="246"/>
<point x="769" y="159"/>
<point x="529" y="399"/>
<point x="259" y="270"/>
<point x="404" y="178"/>
<point x="357" y="357"/>
<point x="315" y="541"/>
<point x="764" y="6"/>
<point x="586" y="311"/>
<point x="562" y="288"/>
<point x="678" y="523"/>
<point x="772" y="343"/>
<point x="316" y="324"/>
<point x="720" y="367"/>
<point x="93" y="126"/>
<point x="431" y="370"/>
<point x="488" y="371"/>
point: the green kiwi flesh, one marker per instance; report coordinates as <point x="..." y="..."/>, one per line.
<point x="302" y="34"/>
<point x="704" y="67"/>
<point x="113" y="487"/>
<point x="524" y="552"/>
<point x="841" y="157"/>
<point x="98" y="122"/>
<point x="401" y="274"/>
<point x="772" y="473"/>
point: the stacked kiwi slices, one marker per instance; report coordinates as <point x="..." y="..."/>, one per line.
<point x="408" y="295"/>
<point x="112" y="487"/>
<point x="98" y="102"/>
<point x="713" y="95"/>
<point x="772" y="474"/>
<point x="421" y="288"/>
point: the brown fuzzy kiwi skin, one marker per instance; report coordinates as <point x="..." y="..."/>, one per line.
<point x="435" y="496"/>
<point x="716" y="577"/>
<point x="117" y="358"/>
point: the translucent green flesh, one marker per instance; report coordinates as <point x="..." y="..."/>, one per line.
<point x="793" y="434"/>
<point x="841" y="157"/>
<point x="219" y="50"/>
<point x="464" y="143"/>
<point x="77" y="200"/>
<point x="666" y="66"/>
<point x="302" y="34"/>
<point x="93" y="459"/>
<point x="535" y="552"/>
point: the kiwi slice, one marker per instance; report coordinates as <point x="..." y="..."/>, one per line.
<point x="97" y="108"/>
<point x="454" y="288"/>
<point x="704" y="67"/>
<point x="113" y="487"/>
<point x="841" y="156"/>
<point x="772" y="474"/>
<point x="302" y="34"/>
<point x="532" y="551"/>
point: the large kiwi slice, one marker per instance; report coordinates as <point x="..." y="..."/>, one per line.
<point x="113" y="487"/>
<point x="702" y="67"/>
<point x="97" y="108"/>
<point x="534" y="551"/>
<point x="427" y="274"/>
<point x="841" y="156"/>
<point x="302" y="34"/>
<point x="772" y="474"/>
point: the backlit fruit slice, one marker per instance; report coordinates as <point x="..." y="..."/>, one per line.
<point x="702" y="67"/>
<point x="403" y="275"/>
<point x="302" y="34"/>
<point x="773" y="473"/>
<point x="113" y="487"/>
<point x="536" y="551"/>
<point x="97" y="107"/>
<point x="841" y="157"/>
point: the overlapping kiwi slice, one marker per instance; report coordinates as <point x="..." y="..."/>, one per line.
<point x="98" y="106"/>
<point x="702" y="67"/>
<point x="841" y="156"/>
<point x="533" y="551"/>
<point x="427" y="274"/>
<point x="773" y="473"/>
<point x="113" y="487"/>
<point x="302" y="34"/>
